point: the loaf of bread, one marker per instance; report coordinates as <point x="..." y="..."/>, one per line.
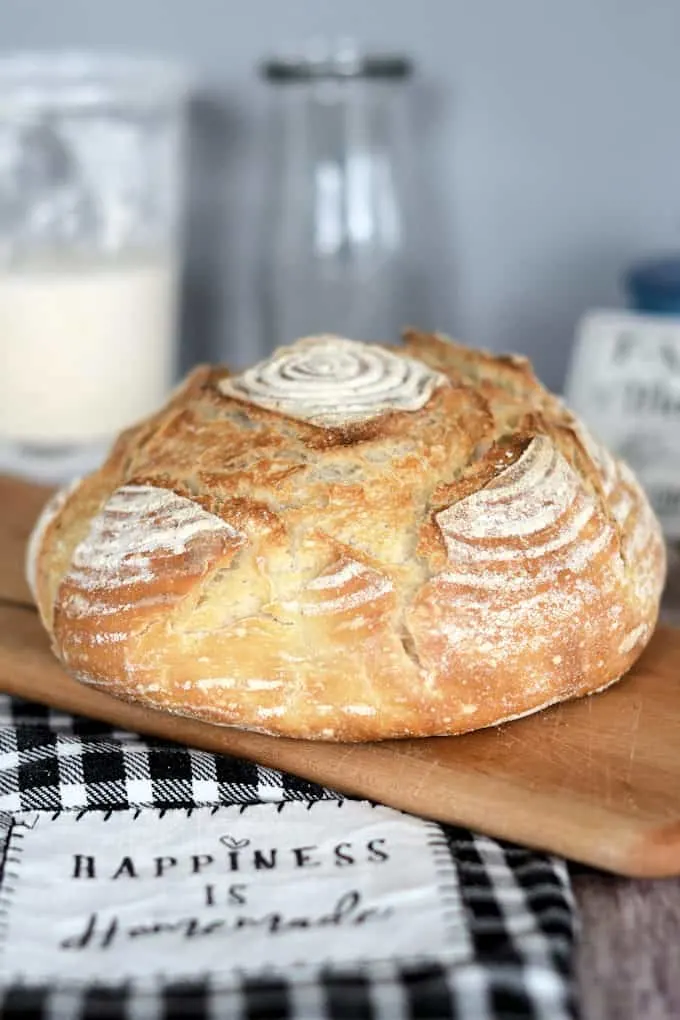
<point x="353" y="542"/>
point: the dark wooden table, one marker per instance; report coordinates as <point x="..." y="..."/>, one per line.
<point x="628" y="956"/>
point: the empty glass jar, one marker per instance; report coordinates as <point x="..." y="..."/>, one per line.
<point x="336" y="244"/>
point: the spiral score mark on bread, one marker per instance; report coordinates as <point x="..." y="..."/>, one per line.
<point x="332" y="381"/>
<point x="251" y="558"/>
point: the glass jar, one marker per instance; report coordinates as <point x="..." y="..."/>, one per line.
<point x="337" y="251"/>
<point x="91" y="180"/>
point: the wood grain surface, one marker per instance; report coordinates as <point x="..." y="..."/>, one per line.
<point x="628" y="951"/>
<point x="597" y="780"/>
<point x="20" y="504"/>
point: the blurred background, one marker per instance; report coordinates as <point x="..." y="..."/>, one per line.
<point x="207" y="180"/>
<point x="546" y="133"/>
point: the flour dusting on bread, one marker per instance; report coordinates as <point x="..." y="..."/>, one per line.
<point x="331" y="381"/>
<point x="138" y="523"/>
<point x="143" y="552"/>
<point x="346" y="587"/>
<point x="540" y="498"/>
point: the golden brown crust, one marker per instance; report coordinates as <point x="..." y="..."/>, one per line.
<point x="411" y="572"/>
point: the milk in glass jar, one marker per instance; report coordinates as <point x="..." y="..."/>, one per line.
<point x="91" y="160"/>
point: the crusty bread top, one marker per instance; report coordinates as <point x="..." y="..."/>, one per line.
<point x="371" y="541"/>
<point x="332" y="382"/>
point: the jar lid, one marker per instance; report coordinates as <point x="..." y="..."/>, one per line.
<point x="657" y="278"/>
<point x="339" y="64"/>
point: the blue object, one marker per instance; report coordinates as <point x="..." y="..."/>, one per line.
<point x="653" y="286"/>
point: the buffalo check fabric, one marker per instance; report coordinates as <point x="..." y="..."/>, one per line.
<point x="515" y="904"/>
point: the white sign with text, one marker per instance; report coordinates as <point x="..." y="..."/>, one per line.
<point x="624" y="381"/>
<point x="128" y="894"/>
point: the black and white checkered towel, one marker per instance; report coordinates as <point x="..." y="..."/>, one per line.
<point x="516" y="903"/>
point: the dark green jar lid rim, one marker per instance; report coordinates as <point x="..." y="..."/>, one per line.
<point x="337" y="67"/>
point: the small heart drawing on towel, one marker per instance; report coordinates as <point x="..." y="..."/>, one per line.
<point x="234" y="844"/>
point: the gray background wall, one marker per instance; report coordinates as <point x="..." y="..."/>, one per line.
<point x="553" y="149"/>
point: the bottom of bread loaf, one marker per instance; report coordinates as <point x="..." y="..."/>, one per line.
<point x="326" y="736"/>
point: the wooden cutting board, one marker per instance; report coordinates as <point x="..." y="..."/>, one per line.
<point x="595" y="780"/>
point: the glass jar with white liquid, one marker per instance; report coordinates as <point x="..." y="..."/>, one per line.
<point x="91" y="184"/>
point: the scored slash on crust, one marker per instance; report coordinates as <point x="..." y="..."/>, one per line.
<point x="138" y="523"/>
<point x="143" y="551"/>
<point x="345" y="587"/>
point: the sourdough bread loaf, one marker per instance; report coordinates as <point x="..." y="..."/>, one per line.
<point x="353" y="542"/>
